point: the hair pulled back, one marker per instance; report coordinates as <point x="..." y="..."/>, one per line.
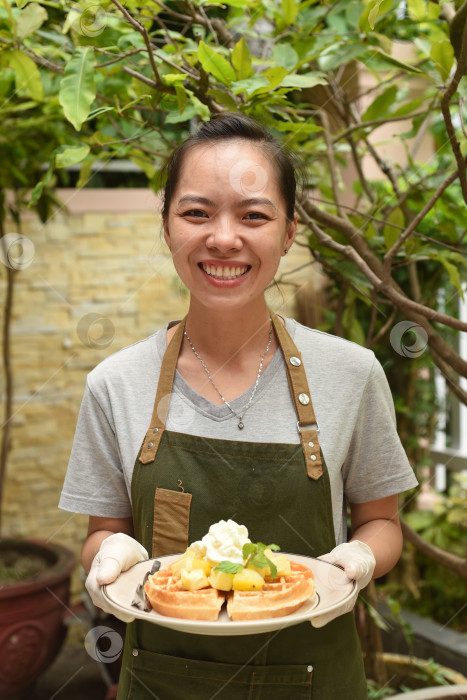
<point x="228" y="126"/>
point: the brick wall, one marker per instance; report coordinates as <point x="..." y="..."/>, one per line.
<point x="100" y="277"/>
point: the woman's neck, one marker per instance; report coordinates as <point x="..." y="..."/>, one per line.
<point x="225" y="334"/>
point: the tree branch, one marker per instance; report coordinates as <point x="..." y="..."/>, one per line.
<point x="445" y="108"/>
<point x="451" y="561"/>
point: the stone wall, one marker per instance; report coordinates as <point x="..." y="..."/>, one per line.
<point x="98" y="277"/>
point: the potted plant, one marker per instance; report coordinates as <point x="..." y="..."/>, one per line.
<point x="34" y="574"/>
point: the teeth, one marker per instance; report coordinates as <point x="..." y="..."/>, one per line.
<point x="225" y="273"/>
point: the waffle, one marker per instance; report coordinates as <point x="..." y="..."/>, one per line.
<point x="277" y="598"/>
<point x="167" y="597"/>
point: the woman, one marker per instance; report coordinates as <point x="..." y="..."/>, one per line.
<point x="234" y="434"/>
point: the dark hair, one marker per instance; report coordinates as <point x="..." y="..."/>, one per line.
<point x="229" y="125"/>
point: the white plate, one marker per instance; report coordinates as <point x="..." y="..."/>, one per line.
<point x="333" y="590"/>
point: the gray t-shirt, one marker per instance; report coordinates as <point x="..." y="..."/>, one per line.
<point x="350" y="395"/>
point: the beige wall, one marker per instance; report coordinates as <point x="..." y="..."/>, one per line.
<point x="100" y="255"/>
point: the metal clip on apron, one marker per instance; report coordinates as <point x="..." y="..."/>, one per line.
<point x="181" y="485"/>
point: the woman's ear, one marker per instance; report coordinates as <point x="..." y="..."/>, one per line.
<point x="290" y="232"/>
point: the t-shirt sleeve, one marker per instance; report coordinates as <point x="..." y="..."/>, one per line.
<point x="376" y="465"/>
<point x="94" y="482"/>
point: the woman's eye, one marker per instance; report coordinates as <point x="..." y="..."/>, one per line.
<point x="255" y="216"/>
<point x="195" y="213"/>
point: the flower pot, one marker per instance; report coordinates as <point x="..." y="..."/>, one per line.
<point x="410" y="671"/>
<point x="32" y="610"/>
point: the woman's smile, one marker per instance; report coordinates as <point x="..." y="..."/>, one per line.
<point x="224" y="272"/>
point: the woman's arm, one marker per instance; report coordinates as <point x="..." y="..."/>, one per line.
<point x="376" y="523"/>
<point x="98" y="530"/>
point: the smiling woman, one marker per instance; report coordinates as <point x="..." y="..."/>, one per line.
<point x="229" y="365"/>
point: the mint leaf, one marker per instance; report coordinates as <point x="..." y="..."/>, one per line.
<point x="229" y="567"/>
<point x="260" y="561"/>
<point x="273" y="547"/>
<point x="248" y="549"/>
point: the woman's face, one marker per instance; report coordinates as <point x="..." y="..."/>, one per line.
<point x="226" y="225"/>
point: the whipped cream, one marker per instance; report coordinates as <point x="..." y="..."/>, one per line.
<point x="224" y="542"/>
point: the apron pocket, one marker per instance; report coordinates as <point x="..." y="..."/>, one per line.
<point x="162" y="677"/>
<point x="171" y="522"/>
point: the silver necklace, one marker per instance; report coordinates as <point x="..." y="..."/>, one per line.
<point x="260" y="369"/>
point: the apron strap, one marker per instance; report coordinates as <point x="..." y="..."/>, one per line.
<point x="298" y="383"/>
<point x="307" y="424"/>
<point x="164" y="390"/>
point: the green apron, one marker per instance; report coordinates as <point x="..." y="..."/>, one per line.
<point x="282" y="494"/>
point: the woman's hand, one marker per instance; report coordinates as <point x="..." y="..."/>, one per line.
<point x="117" y="553"/>
<point x="358" y="562"/>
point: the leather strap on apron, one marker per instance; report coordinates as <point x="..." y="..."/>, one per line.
<point x="299" y="390"/>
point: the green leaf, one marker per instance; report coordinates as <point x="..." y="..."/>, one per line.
<point x="215" y="64"/>
<point x="442" y="55"/>
<point x="27" y="76"/>
<point x="303" y="81"/>
<point x="30" y="19"/>
<point x="417" y="10"/>
<point x="289" y="11"/>
<point x="77" y="87"/>
<point x="273" y="547"/>
<point x="275" y="75"/>
<point x="250" y="85"/>
<point x="224" y="99"/>
<point x="229" y="567"/>
<point x="241" y="59"/>
<point x="393" y="228"/>
<point x="70" y="155"/>
<point x="261" y="561"/>
<point x="453" y="273"/>
<point x="248" y="549"/>
<point x="386" y="58"/>
<point x="284" y="55"/>
<point x="372" y="12"/>
<point x="380" y="107"/>
<point x="173" y="78"/>
<point x="182" y="98"/>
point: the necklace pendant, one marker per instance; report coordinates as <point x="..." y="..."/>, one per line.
<point x="240" y="424"/>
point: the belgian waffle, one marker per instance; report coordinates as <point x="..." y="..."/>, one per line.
<point x="168" y="598"/>
<point x="277" y="598"/>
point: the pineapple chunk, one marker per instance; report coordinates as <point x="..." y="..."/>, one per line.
<point x="221" y="580"/>
<point x="202" y="564"/>
<point x="185" y="563"/>
<point x="281" y="562"/>
<point x="194" y="580"/>
<point x="247" y="580"/>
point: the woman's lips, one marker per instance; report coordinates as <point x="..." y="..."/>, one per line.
<point x="224" y="272"/>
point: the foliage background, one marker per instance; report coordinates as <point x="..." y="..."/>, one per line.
<point x="90" y="82"/>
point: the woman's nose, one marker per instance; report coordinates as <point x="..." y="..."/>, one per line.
<point x="224" y="235"/>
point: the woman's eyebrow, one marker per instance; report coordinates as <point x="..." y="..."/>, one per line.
<point x="197" y="199"/>
<point x="255" y="200"/>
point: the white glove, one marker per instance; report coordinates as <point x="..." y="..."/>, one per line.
<point x="358" y="563"/>
<point x="117" y="553"/>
